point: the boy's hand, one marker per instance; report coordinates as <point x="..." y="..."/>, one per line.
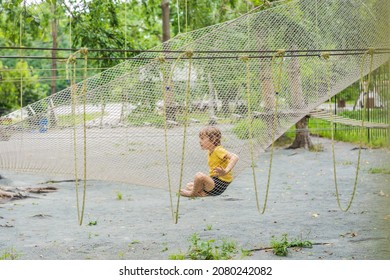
<point x="219" y="171"/>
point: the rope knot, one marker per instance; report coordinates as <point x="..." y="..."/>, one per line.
<point x="371" y="51"/>
<point x="189" y="53"/>
<point x="280" y="52"/>
<point x="84" y="51"/>
<point x="244" y="58"/>
<point x="160" y="59"/>
<point x="72" y="58"/>
<point x="325" y="55"/>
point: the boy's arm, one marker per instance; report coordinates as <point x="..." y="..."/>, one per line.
<point x="232" y="158"/>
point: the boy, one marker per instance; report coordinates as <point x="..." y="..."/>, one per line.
<point x="221" y="163"/>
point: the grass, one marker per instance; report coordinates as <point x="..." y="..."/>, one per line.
<point x="207" y="250"/>
<point x="119" y="195"/>
<point x="377" y="170"/>
<point x="373" y="138"/>
<point x="280" y="247"/>
<point x="242" y="128"/>
<point x="209" y="227"/>
<point x="10" y="254"/>
<point x="317" y="148"/>
<point x="92" y="223"/>
<point x="67" y="120"/>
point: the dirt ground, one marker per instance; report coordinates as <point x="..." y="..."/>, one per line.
<point x="124" y="221"/>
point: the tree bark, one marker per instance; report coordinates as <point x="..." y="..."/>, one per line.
<point x="171" y="108"/>
<point x="53" y="86"/>
<point x="165" y="20"/>
<point x="302" y="136"/>
<point x="297" y="102"/>
<point x="54" y="32"/>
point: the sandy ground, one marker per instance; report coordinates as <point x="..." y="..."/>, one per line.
<point x="301" y="204"/>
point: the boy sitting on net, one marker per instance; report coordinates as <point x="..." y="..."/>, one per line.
<point x="221" y="163"/>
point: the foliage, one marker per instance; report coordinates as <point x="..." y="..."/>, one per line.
<point x="207" y="250"/>
<point x="377" y="170"/>
<point x="10" y="254"/>
<point x="242" y="128"/>
<point x="18" y="85"/>
<point x="119" y="195"/>
<point x="280" y="247"/>
<point x="349" y="134"/>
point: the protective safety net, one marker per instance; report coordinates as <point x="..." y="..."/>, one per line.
<point x="253" y="77"/>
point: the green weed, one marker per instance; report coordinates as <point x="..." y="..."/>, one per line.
<point x="317" y="148"/>
<point x="376" y="170"/>
<point x="119" y="195"/>
<point x="209" y="227"/>
<point x="207" y="250"/>
<point x="280" y="247"/>
<point x="10" y="254"/>
<point x="92" y="223"/>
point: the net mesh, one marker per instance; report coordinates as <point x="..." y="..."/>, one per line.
<point x="144" y="115"/>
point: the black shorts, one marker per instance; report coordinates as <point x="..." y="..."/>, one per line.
<point x="219" y="188"/>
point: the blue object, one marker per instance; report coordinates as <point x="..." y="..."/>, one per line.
<point x="43" y="124"/>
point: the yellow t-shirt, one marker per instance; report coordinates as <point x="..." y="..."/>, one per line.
<point x="217" y="159"/>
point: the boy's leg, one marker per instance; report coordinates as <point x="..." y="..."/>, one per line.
<point x="201" y="183"/>
<point x="188" y="190"/>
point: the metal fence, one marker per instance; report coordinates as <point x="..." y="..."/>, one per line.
<point x="350" y="104"/>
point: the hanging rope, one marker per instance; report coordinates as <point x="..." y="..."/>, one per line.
<point x="189" y="55"/>
<point x="72" y="60"/>
<point x="279" y="54"/>
<point x="84" y="52"/>
<point x="245" y="59"/>
<point x="326" y="57"/>
<point x="165" y="88"/>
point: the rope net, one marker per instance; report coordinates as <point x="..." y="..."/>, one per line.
<point x="132" y="120"/>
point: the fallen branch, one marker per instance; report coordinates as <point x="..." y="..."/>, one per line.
<point x="8" y="193"/>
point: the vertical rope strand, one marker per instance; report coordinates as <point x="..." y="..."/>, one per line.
<point x="279" y="54"/>
<point x="189" y="54"/>
<point x="72" y="69"/>
<point x="250" y="128"/>
<point x="162" y="61"/>
<point x="84" y="52"/>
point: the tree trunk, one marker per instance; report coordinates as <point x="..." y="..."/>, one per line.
<point x="54" y="28"/>
<point x="165" y="20"/>
<point x="171" y="108"/>
<point x="297" y="103"/>
<point x="302" y="137"/>
<point x="54" y="31"/>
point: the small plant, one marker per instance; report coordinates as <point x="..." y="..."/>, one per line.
<point x="165" y="248"/>
<point x="134" y="242"/>
<point x="377" y="170"/>
<point x="209" y="227"/>
<point x="179" y="256"/>
<point x="92" y="223"/>
<point x="207" y="250"/>
<point x="119" y="195"/>
<point x="10" y="254"/>
<point x="316" y="148"/>
<point x="246" y="253"/>
<point x="280" y="247"/>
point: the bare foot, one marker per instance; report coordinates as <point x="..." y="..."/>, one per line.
<point x="186" y="193"/>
